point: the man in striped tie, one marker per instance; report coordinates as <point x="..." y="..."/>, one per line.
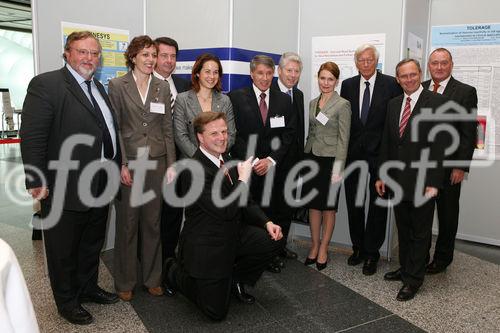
<point x="415" y="176"/>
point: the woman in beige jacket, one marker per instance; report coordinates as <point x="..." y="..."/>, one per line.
<point x="327" y="142"/>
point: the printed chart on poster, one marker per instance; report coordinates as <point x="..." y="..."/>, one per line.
<point x="340" y="49"/>
<point x="476" y="56"/>
<point x="114" y="43"/>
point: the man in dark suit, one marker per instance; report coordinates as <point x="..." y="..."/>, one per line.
<point x="171" y="217"/>
<point x="289" y="69"/>
<point x="58" y="105"/>
<point x="413" y="186"/>
<point x="440" y="66"/>
<point x="266" y="113"/>
<point x="223" y="246"/>
<point x="369" y="92"/>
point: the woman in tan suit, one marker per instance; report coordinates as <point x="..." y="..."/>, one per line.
<point x="205" y="96"/>
<point x="329" y="125"/>
<point x="142" y="104"/>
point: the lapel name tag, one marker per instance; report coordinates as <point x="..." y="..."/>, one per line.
<point x="277" y="122"/>
<point x="157" y="108"/>
<point x="322" y="118"/>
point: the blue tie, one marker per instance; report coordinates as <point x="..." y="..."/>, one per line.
<point x="365" y="107"/>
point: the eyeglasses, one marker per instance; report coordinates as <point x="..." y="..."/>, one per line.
<point x="366" y="61"/>
<point x="85" y="53"/>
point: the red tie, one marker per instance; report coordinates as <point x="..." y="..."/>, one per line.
<point x="405" y="117"/>
<point x="226" y="172"/>
<point x="263" y="107"/>
<point x="436" y="87"/>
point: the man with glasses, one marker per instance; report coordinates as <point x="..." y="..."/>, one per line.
<point x="58" y="105"/>
<point x="369" y="92"/>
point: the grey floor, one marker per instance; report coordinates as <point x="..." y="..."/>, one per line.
<point x="464" y="299"/>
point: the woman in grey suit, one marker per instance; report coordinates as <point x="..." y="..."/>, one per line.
<point x="329" y="125"/>
<point x="204" y="96"/>
<point x="142" y="105"/>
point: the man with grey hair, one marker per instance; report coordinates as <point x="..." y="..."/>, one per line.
<point x="266" y="113"/>
<point x="289" y="70"/>
<point x="368" y="92"/>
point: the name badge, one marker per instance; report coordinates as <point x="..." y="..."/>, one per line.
<point x="322" y="118"/>
<point x="157" y="108"/>
<point x="277" y="122"/>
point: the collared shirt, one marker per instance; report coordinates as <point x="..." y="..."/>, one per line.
<point x="285" y="89"/>
<point x="362" y="87"/>
<point x="258" y="92"/>
<point x="106" y="112"/>
<point x="414" y="98"/>
<point x="215" y="160"/>
<point x="145" y="97"/>
<point x="173" y="89"/>
<point x="442" y="85"/>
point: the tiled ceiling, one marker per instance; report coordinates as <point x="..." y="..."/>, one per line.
<point x="15" y="15"/>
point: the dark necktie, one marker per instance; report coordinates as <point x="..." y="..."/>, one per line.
<point x="226" y="172"/>
<point x="436" y="87"/>
<point x="172" y="99"/>
<point x="405" y="117"/>
<point x="289" y="92"/>
<point x="263" y="107"/>
<point x="106" y="137"/>
<point x="365" y="107"/>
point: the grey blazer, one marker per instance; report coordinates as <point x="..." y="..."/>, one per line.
<point x="331" y="139"/>
<point x="138" y="127"/>
<point x="186" y="108"/>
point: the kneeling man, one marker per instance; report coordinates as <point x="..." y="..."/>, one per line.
<point x="222" y="248"/>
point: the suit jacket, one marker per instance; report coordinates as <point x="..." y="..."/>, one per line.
<point x="396" y="148"/>
<point x="181" y="85"/>
<point x="298" y="106"/>
<point x="466" y="96"/>
<point x="210" y="234"/>
<point x="56" y="108"/>
<point x="139" y="127"/>
<point x="186" y="108"/>
<point x="331" y="139"/>
<point x="249" y="122"/>
<point x="364" y="142"/>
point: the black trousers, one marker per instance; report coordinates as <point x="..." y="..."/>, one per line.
<point x="171" y="221"/>
<point x="255" y="251"/>
<point x="365" y="238"/>
<point x="72" y="247"/>
<point x="448" y="205"/>
<point x="414" y="234"/>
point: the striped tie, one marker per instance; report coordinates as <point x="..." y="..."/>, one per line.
<point x="405" y="117"/>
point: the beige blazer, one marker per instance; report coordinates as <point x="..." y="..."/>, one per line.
<point x="331" y="139"/>
<point x="138" y="127"/>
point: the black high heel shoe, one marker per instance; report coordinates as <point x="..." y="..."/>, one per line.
<point x="310" y="261"/>
<point x="321" y="265"/>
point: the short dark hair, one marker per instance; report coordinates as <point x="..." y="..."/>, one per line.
<point x="442" y="49"/>
<point x="261" y="59"/>
<point x="79" y="35"/>
<point x="168" y="41"/>
<point x="204" y="118"/>
<point x="406" y="61"/>
<point x="136" y="45"/>
<point x="331" y="67"/>
<point x="198" y="65"/>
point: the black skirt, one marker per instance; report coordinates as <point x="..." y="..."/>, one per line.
<point x="328" y="195"/>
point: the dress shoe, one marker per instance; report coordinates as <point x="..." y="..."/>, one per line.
<point x="273" y="268"/>
<point x="393" y="276"/>
<point x="288" y="254"/>
<point x="99" y="296"/>
<point x="278" y="261"/>
<point x="125" y="296"/>
<point x="241" y="294"/>
<point x="370" y="267"/>
<point x="167" y="285"/>
<point x="355" y="258"/>
<point x="310" y="261"/>
<point x="321" y="265"/>
<point x="155" y="291"/>
<point x="406" y="293"/>
<point x="76" y="315"/>
<point x="434" y="268"/>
